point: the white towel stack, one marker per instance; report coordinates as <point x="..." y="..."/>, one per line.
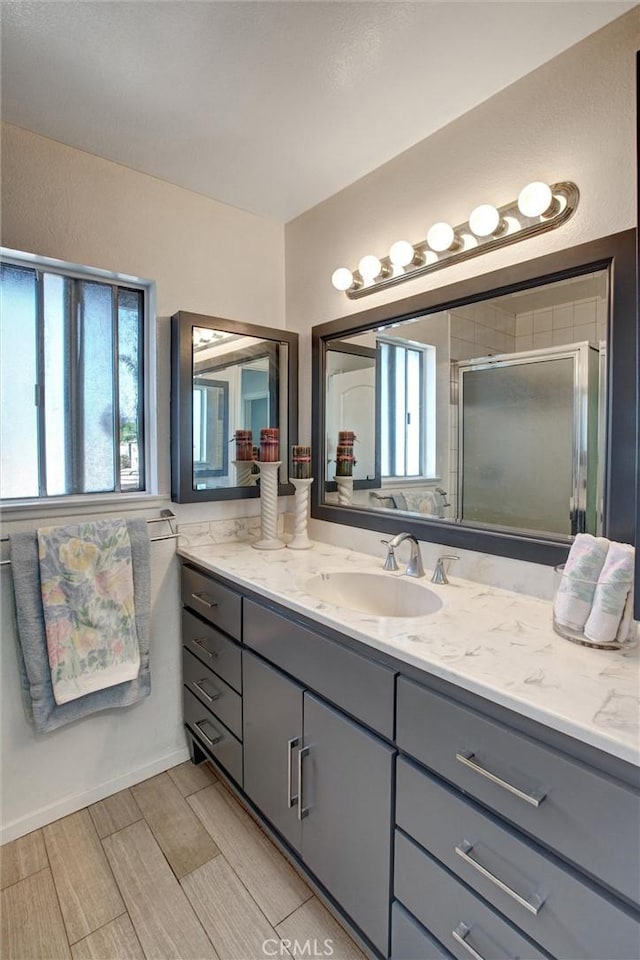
<point x="581" y="571"/>
<point x="595" y="597"/>
<point x="612" y="596"/>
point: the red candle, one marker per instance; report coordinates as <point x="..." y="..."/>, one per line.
<point x="269" y="444"/>
<point x="300" y="463"/>
<point x="244" y="445"/>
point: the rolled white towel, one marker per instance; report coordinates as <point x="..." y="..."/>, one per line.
<point x="628" y="629"/>
<point x="577" y="588"/>
<point x="611" y="595"/>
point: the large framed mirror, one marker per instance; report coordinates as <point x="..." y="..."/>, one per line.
<point x="501" y="413"/>
<point x="229" y="380"/>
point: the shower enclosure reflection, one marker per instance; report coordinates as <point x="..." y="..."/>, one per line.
<point x="489" y="414"/>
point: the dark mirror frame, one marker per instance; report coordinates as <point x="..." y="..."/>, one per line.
<point x="617" y="254"/>
<point x="182" y="324"/>
<point x="637" y="584"/>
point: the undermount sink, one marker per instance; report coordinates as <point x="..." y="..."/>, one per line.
<point x="376" y="594"/>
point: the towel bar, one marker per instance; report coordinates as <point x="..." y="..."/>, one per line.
<point x="166" y="516"/>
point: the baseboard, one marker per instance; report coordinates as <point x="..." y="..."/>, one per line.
<point x="39" y="818"/>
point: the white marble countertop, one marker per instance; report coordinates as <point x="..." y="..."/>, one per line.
<point x="491" y="642"/>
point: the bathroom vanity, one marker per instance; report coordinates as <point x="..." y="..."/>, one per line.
<point x="462" y="783"/>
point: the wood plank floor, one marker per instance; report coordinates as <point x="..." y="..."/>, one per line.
<point x="173" y="869"/>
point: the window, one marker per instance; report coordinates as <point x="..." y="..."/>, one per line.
<point x="407" y="409"/>
<point x="71" y="368"/>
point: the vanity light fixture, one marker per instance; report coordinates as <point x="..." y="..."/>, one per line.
<point x="485" y="221"/>
<point x="537" y="200"/>
<point x="371" y="267"/>
<point x="442" y="237"/>
<point x="403" y="254"/>
<point x="342" y="278"/>
<point x="204" y="337"/>
<point x="539" y="207"/>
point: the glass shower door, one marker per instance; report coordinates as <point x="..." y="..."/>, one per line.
<point x="519" y="443"/>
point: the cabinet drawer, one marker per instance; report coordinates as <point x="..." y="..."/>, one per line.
<point x="577" y="812"/>
<point x="454" y="915"/>
<point x="213" y="648"/>
<point x="219" y="742"/>
<point x="571" y="919"/>
<point x="216" y="695"/>
<point x="218" y="604"/>
<point x="361" y="687"/>
<point x="409" y="939"/>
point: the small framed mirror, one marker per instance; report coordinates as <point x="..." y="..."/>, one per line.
<point x="497" y="414"/>
<point x="229" y="381"/>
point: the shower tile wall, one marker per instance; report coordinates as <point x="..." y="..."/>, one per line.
<point x="480" y="330"/>
<point x="568" y="323"/>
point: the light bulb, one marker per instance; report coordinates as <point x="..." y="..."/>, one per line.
<point x="441" y="237"/>
<point x="535" y="200"/>
<point x="369" y="267"/>
<point x="484" y="220"/>
<point x="342" y="278"/>
<point x="402" y="253"/>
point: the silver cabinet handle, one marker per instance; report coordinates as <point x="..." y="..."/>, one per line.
<point x="535" y="798"/>
<point x="198" y="684"/>
<point x="200" y="641"/>
<point x="533" y="906"/>
<point x="201" y="598"/>
<point x="460" y="934"/>
<point x="302" y="810"/>
<point x="291" y="801"/>
<point x="217" y="739"/>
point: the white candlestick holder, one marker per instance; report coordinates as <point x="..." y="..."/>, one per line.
<point x="244" y="476"/>
<point x="269" y="506"/>
<point x="345" y="491"/>
<point x="301" y="514"/>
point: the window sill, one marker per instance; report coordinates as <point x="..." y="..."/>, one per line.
<point x="394" y="483"/>
<point x="84" y="505"/>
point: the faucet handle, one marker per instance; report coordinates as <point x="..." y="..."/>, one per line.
<point x="390" y="562"/>
<point x="439" y="573"/>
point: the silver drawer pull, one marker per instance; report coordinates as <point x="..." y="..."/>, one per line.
<point x="467" y="757"/>
<point x="200" y="641"/>
<point x="198" y="684"/>
<point x="302" y="810"/>
<point x="460" y="934"/>
<point x="291" y="801"/>
<point x="201" y="598"/>
<point x="533" y="906"/>
<point x="217" y="739"/>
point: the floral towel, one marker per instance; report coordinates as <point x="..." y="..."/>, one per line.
<point x="86" y="576"/>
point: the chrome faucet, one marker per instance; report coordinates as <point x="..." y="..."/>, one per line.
<point x="414" y="567"/>
<point x="439" y="573"/>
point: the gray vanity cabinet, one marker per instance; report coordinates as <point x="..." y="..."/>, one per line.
<point x="436" y="828"/>
<point x="272" y="737"/>
<point x="325" y="784"/>
<point x="346" y="803"/>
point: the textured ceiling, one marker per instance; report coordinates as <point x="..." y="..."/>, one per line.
<point x="269" y="106"/>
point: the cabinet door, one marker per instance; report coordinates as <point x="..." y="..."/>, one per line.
<point x="346" y="803"/>
<point x="272" y="724"/>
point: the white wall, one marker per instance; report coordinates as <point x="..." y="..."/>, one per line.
<point x="572" y="119"/>
<point x="62" y="203"/>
